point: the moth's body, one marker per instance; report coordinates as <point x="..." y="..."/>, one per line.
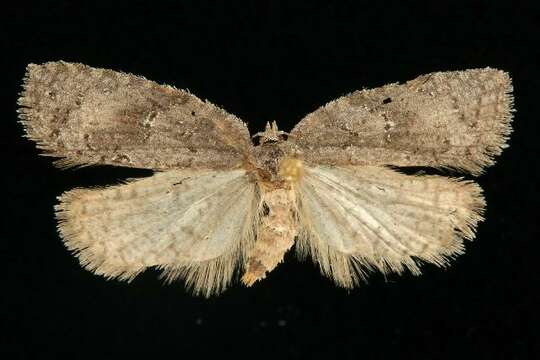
<point x="218" y="204"/>
<point x="278" y="170"/>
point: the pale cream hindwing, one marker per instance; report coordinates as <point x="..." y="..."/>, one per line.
<point x="194" y="225"/>
<point x="360" y="218"/>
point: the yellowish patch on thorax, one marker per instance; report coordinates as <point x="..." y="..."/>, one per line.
<point x="291" y="169"/>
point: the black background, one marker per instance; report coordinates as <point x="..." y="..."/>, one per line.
<point x="262" y="61"/>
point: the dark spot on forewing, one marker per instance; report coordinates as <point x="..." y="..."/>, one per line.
<point x="181" y="181"/>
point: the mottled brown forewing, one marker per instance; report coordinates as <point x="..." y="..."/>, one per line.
<point x="458" y="119"/>
<point x="93" y="116"/>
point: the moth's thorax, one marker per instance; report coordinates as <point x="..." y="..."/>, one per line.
<point x="278" y="163"/>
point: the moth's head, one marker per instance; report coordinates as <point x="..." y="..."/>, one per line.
<point x="270" y="134"/>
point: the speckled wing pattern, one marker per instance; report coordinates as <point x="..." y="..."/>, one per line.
<point x="457" y="119"/>
<point x="356" y="214"/>
<point x="173" y="220"/>
<point x="202" y="213"/>
<point x="89" y="116"/>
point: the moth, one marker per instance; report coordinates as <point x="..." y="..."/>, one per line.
<point x="219" y="207"/>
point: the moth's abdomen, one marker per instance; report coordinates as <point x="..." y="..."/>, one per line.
<point x="275" y="235"/>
